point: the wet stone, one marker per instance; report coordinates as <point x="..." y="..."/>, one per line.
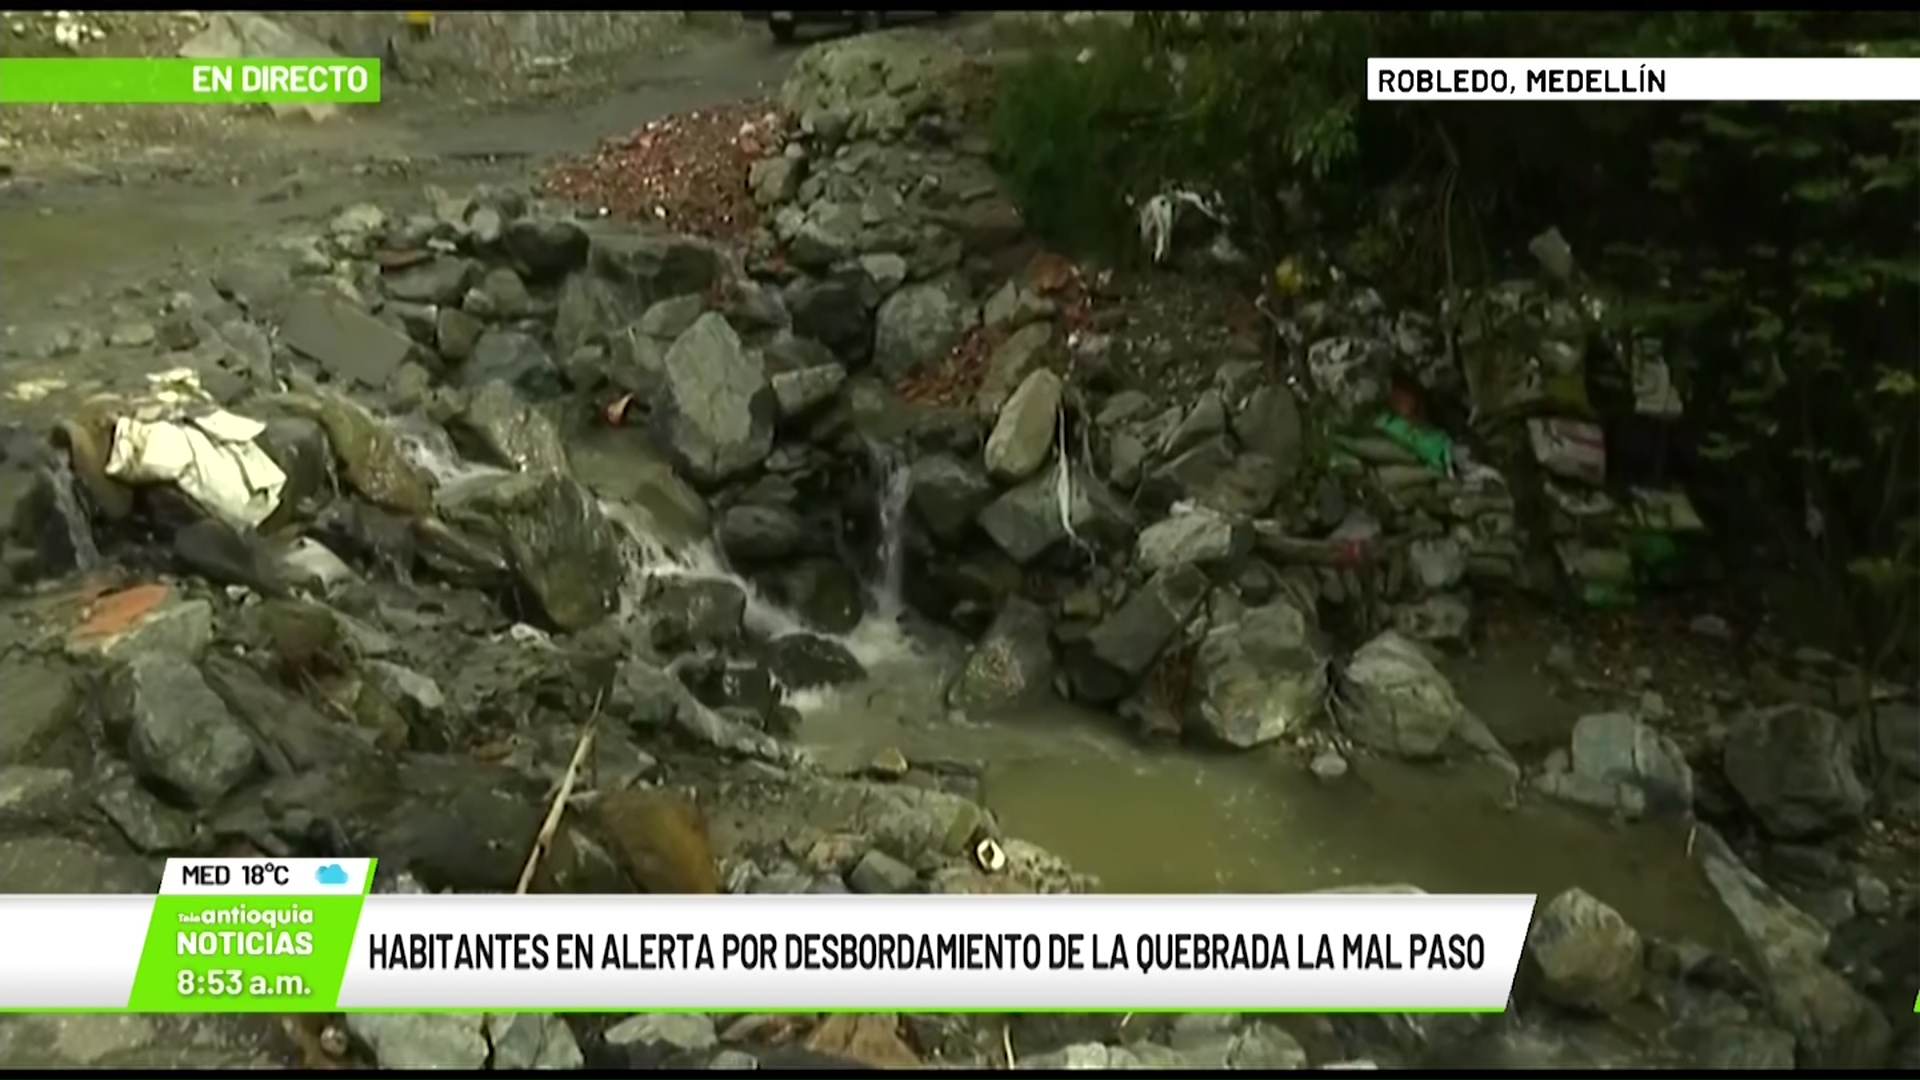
<point x="40" y="702"/>
<point x="880" y="873"/>
<point x="23" y="786"/>
<point x="49" y="864"/>
<point x="422" y="1040"/>
<point x="532" y="1041"/>
<point x="179" y="732"/>
<point x="150" y="826"/>
<point x="680" y="1031"/>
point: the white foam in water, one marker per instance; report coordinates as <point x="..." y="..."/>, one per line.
<point x="878" y="641"/>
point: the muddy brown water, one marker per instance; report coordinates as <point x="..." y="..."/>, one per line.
<point x="1160" y="820"/>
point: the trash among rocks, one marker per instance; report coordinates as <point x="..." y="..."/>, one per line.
<point x="1162" y="216"/>
<point x="989" y="856"/>
<point x="212" y="458"/>
<point x="1654" y="394"/>
<point x="1430" y="445"/>
<point x="1573" y="449"/>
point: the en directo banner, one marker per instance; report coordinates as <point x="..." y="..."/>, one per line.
<point x="309" y="935"/>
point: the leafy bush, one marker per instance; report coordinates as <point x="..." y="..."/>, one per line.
<point x="1774" y="248"/>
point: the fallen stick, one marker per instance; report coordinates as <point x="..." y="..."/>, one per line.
<point x="558" y="809"/>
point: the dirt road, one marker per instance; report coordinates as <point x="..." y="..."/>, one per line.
<point x="69" y="239"/>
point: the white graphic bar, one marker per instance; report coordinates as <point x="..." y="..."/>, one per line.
<point x="70" y="952"/>
<point x="1410" y="953"/>
<point x="1691" y="78"/>
<point x="931" y="953"/>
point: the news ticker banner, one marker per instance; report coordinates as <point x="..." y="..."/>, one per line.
<point x="1643" y="79"/>
<point x="68" y="81"/>
<point x="305" y="935"/>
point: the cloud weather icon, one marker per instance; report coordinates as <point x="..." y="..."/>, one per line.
<point x="331" y="874"/>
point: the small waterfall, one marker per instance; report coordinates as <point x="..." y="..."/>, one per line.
<point x="651" y="554"/>
<point x="896" y="484"/>
<point x="73" y="517"/>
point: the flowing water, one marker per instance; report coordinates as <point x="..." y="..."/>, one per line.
<point x="1159" y="820"/>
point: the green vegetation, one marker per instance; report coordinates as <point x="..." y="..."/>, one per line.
<point x="1772" y="249"/>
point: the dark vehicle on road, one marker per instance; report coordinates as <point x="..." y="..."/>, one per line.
<point x="785" y="24"/>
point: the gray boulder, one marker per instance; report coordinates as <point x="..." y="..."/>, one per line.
<point x="1011" y="666"/>
<point x="562" y="548"/>
<point x="917" y="326"/>
<point x="1793" y="768"/>
<point x="718" y="410"/>
<point x="180" y="735"/>
<point x="1259" y="677"/>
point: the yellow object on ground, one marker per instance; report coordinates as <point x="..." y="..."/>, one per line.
<point x="420" y="18"/>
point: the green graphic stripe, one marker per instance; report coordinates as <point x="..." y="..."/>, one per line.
<point x="244" y="954"/>
<point x="69" y="81"/>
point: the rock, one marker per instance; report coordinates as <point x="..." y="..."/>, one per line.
<point x="299" y="447"/>
<point x="691" y="612"/>
<point x="870" y="1038"/>
<point x="1196" y="537"/>
<point x="510" y="433"/>
<point x="514" y="358"/>
<point x="1027" y="351"/>
<point x="774" y="181"/>
<point x="882" y="874"/>
<point x="1025" y="521"/>
<point x="659" y="841"/>
<point x="802" y="661"/>
<point x="947" y="494"/>
<point x="684" y="1032"/>
<point x="1269" y="423"/>
<point x="503" y="295"/>
<point x="179" y="733"/>
<point x="547" y="249"/>
<point x="455" y="333"/>
<point x="668" y="319"/>
<point x="436" y="281"/>
<point x="140" y="621"/>
<point x="1395" y="701"/>
<point x="152" y="828"/>
<point x="347" y="342"/>
<point x="1443" y="621"/>
<point x="57" y="865"/>
<point x="1622" y="765"/>
<point x="800" y="392"/>
<point x="1328" y="765"/>
<point x="562" y="547"/>
<point x="23" y="786"/>
<point x="755" y="533"/>
<point x="886" y="270"/>
<point x="718" y="410"/>
<point x="1896" y="734"/>
<point x="1129" y="640"/>
<point x="1587" y="956"/>
<point x="1792" y="766"/>
<point x="1259" y="677"/>
<point x="370" y="454"/>
<point x="1265" y="1046"/>
<point x="917" y="326"/>
<point x="1011" y="666"/>
<point x="656" y="265"/>
<point x="41" y="701"/>
<point x="835" y="314"/>
<point x="532" y="1041"/>
<point x="1015" y="306"/>
<point x="1438" y="563"/>
<point x="422" y="1040"/>
<point x="1835" y="1026"/>
<point x="1023" y="436"/>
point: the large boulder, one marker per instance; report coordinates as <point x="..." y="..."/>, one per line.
<point x="1587" y="956"/>
<point x="1259" y="676"/>
<point x="1620" y="764"/>
<point x="717" y="412"/>
<point x="179" y="733"/>
<point x="1011" y="666"/>
<point x="1394" y="700"/>
<point x="918" y="326"/>
<point x="1793" y="767"/>
<point x="562" y="548"/>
